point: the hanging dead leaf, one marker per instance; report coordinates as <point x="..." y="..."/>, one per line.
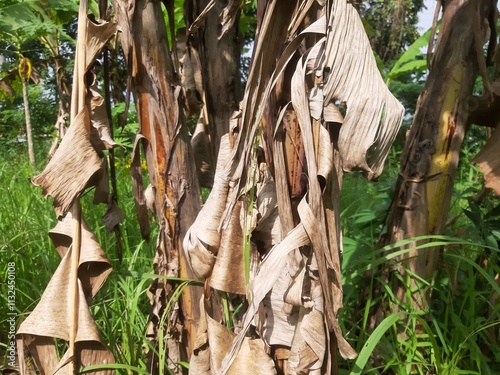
<point x="213" y="342"/>
<point x="99" y="119"/>
<point x="94" y="267"/>
<point x="203" y="239"/>
<point x="373" y="115"/>
<point x="228" y="16"/>
<point x="228" y="273"/>
<point x="489" y="162"/>
<point x="49" y="320"/>
<point x="74" y="167"/>
<point x="113" y="216"/>
<point x="63" y="312"/>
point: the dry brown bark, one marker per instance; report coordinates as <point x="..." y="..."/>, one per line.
<point x="431" y="154"/>
<point x="165" y="142"/>
<point x="215" y="43"/>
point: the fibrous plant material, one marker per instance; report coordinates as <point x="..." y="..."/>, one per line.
<point x="288" y="201"/>
<point x="63" y="311"/>
<point x="174" y="195"/>
<point x="489" y="162"/>
<point x="487" y="114"/>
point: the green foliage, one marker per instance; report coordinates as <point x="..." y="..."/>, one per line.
<point x="125" y="136"/>
<point x="248" y="20"/>
<point x="390" y="25"/>
<point x="35" y="30"/>
<point x="21" y="21"/>
<point x="413" y="59"/>
<point x="25" y="219"/>
<point x="43" y="113"/>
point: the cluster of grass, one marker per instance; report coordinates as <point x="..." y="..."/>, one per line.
<point x="457" y="334"/>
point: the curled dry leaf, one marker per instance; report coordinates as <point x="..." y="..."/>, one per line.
<point x="228" y="273"/>
<point x="101" y="194"/>
<point x="63" y="311"/>
<point x="94" y="267"/>
<point x="213" y="342"/>
<point x="201" y="144"/>
<point x="228" y="16"/>
<point x="190" y="72"/>
<point x="74" y="167"/>
<point x="373" y="116"/>
<point x="280" y="329"/>
<point x="263" y="283"/>
<point x="141" y="204"/>
<point x="50" y="319"/>
<point x="98" y="34"/>
<point x="308" y="347"/>
<point x="203" y="238"/>
<point x="99" y="119"/>
<point x="113" y="216"/>
<point x="489" y="162"/>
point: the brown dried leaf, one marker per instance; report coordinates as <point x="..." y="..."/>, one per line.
<point x="228" y="273"/>
<point x="263" y="282"/>
<point x="373" y="114"/>
<point x="214" y="341"/>
<point x="101" y="194"/>
<point x="200" y="19"/>
<point x="228" y="16"/>
<point x="99" y="119"/>
<point x="42" y="350"/>
<point x="332" y="114"/>
<point x="113" y="216"/>
<point x="200" y="143"/>
<point x="74" y="167"/>
<point x="325" y="153"/>
<point x="279" y="318"/>
<point x="94" y="267"/>
<point x="5" y="85"/>
<point x="97" y="37"/>
<point x="489" y="162"/>
<point x="308" y="347"/>
<point x="267" y="233"/>
<point x="294" y="154"/>
<point x="203" y="237"/>
<point x="50" y="319"/>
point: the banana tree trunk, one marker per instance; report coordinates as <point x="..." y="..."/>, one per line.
<point x="431" y="154"/>
<point x="176" y="195"/>
<point x="216" y="44"/>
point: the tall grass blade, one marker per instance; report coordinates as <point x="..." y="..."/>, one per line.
<point x="372" y="342"/>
